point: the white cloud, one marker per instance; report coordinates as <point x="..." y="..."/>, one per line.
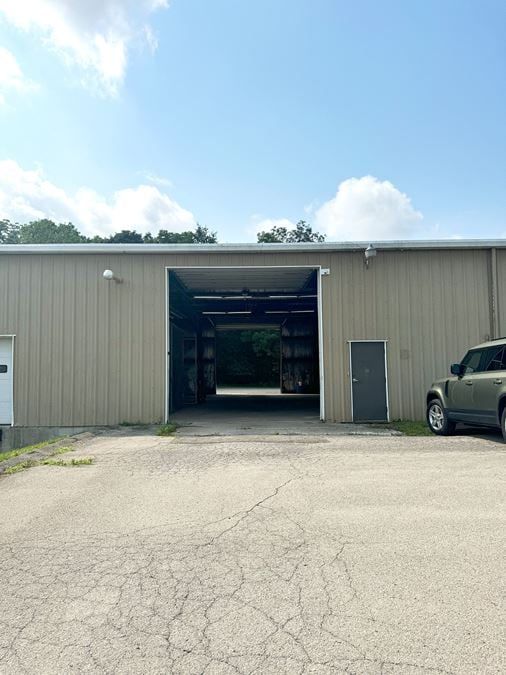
<point x="11" y="76"/>
<point x="94" y="35"/>
<point x="27" y="195"/>
<point x="368" y="209"/>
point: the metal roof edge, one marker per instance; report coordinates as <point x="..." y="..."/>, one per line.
<point x="251" y="248"/>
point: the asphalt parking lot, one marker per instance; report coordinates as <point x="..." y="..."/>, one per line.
<point x="257" y="554"/>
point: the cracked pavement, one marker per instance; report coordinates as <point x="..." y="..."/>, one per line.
<point x="259" y="554"/>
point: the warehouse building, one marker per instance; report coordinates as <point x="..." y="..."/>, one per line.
<point x="102" y="334"/>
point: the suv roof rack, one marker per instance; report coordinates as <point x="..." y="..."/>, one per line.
<point x="497" y="339"/>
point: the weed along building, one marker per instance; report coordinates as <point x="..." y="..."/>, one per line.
<point x="103" y="334"/>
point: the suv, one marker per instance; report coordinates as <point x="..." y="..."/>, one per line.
<point x="475" y="394"/>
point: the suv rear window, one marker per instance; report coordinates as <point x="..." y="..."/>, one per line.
<point x="494" y="358"/>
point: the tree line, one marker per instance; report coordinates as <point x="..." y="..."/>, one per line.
<point x="46" y="231"/>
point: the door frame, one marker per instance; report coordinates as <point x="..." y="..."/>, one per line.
<point x="319" y="312"/>
<point x="385" y="343"/>
<point x="13" y="342"/>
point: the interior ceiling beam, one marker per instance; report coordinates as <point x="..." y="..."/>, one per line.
<point x="255" y="296"/>
<point x="256" y="310"/>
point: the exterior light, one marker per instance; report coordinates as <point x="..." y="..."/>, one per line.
<point x="370" y="252"/>
<point x="110" y="276"/>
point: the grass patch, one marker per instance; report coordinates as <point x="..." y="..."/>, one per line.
<point x="411" y="427"/>
<point x="9" y="454"/>
<point x="27" y="464"/>
<point x="66" y="462"/>
<point x="62" y="451"/>
<point x="166" y="429"/>
<point x="47" y="461"/>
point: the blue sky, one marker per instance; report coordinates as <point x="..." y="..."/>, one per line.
<point x="371" y="120"/>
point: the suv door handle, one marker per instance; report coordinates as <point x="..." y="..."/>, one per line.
<point x="354" y="379"/>
<point x="469" y="383"/>
<point x="497" y="381"/>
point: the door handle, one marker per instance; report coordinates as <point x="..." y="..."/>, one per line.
<point x="497" y="381"/>
<point x="354" y="379"/>
<point x="469" y="383"/>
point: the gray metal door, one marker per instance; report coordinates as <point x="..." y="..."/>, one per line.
<point x="368" y="381"/>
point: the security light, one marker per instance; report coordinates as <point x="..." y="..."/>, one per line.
<point x="370" y="252"/>
<point x="110" y="276"/>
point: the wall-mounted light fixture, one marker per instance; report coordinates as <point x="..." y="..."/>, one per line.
<point x="110" y="276"/>
<point x="370" y="252"/>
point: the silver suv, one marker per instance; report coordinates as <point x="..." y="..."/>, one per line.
<point x="474" y="394"/>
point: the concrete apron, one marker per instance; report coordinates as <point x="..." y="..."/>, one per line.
<point x="260" y="415"/>
<point x="230" y="414"/>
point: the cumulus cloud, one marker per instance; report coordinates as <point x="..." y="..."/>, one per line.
<point x="368" y="209"/>
<point x="27" y="195"/>
<point x="11" y="76"/>
<point x="95" y="35"/>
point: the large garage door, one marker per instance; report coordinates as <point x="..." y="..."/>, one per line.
<point x="6" y="363"/>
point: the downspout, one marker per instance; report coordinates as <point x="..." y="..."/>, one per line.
<point x="494" y="305"/>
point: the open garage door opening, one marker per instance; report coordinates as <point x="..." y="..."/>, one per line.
<point x="248" y="361"/>
<point x="245" y="340"/>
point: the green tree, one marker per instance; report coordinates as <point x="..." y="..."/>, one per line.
<point x="126" y="237"/>
<point x="201" y="235"/>
<point x="301" y="233"/>
<point x="9" y="232"/>
<point x="165" y="237"/>
<point x="46" y="231"/>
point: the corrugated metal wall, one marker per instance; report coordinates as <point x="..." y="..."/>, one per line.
<point x="501" y="292"/>
<point x="431" y="306"/>
<point x="92" y="352"/>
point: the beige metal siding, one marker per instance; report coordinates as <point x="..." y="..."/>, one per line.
<point x="431" y="306"/>
<point x="501" y="293"/>
<point x="92" y="352"/>
<point x="87" y="351"/>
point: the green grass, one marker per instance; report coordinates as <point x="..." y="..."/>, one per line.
<point x="66" y="462"/>
<point x="166" y="429"/>
<point x="411" y="427"/>
<point x="29" y="463"/>
<point x="62" y="451"/>
<point x="28" y="448"/>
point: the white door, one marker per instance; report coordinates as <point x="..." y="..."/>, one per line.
<point x="6" y="363"/>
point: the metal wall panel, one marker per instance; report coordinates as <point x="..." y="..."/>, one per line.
<point x="501" y="292"/>
<point x="431" y="306"/>
<point x="92" y="352"/>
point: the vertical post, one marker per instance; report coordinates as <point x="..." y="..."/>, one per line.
<point x="167" y="348"/>
<point x="494" y="309"/>
<point x="321" y="272"/>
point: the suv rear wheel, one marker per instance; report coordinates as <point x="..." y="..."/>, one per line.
<point x="503" y="424"/>
<point x="438" y="421"/>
